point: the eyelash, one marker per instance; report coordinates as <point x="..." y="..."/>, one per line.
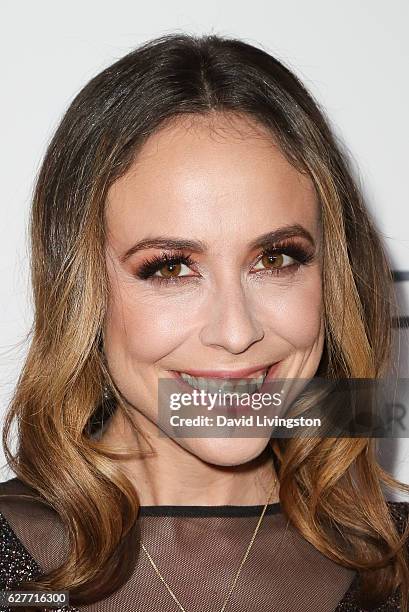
<point x="148" y="267"/>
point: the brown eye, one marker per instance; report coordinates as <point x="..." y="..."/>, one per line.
<point x="171" y="270"/>
<point x="272" y="261"/>
<point x="164" y="268"/>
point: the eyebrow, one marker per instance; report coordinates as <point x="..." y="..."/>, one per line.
<point x="198" y="246"/>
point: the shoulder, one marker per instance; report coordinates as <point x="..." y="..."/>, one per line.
<point x="13" y="485"/>
<point x="16" y="563"/>
<point x="400" y="514"/>
<point x="35" y="523"/>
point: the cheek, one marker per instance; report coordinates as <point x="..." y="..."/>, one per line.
<point x="151" y="330"/>
<point x="294" y="313"/>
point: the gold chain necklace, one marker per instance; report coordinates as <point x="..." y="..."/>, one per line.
<point x="238" y="571"/>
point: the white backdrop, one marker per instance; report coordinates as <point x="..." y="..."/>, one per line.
<point x="352" y="56"/>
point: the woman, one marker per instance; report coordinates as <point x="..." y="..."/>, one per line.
<point x="194" y="220"/>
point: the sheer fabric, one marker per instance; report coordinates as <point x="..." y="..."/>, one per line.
<point x="198" y="550"/>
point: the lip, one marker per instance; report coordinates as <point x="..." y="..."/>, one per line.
<point x="231" y="410"/>
<point x="272" y="370"/>
<point x="243" y="373"/>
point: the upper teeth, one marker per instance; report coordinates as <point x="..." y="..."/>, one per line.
<point x="213" y="385"/>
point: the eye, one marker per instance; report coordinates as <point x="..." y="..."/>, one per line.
<point x="166" y="268"/>
<point x="283" y="259"/>
<point x="172" y="270"/>
<point x="274" y="261"/>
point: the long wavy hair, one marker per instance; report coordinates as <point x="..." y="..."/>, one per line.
<point x="59" y="399"/>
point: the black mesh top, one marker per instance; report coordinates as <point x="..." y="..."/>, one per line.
<point x="198" y="550"/>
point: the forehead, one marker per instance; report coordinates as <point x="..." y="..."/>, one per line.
<point x="220" y="172"/>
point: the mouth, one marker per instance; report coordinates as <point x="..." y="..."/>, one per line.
<point x="228" y="383"/>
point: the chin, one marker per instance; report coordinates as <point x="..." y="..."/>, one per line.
<point x="225" y="451"/>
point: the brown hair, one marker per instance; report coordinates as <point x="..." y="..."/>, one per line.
<point x="58" y="398"/>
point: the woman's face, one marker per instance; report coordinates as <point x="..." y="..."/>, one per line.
<point x="227" y="307"/>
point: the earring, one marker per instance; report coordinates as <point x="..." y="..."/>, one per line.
<point x="106" y="393"/>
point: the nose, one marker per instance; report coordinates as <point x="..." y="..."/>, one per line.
<point x="230" y="322"/>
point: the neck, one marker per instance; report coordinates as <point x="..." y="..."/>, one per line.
<point x="176" y="477"/>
